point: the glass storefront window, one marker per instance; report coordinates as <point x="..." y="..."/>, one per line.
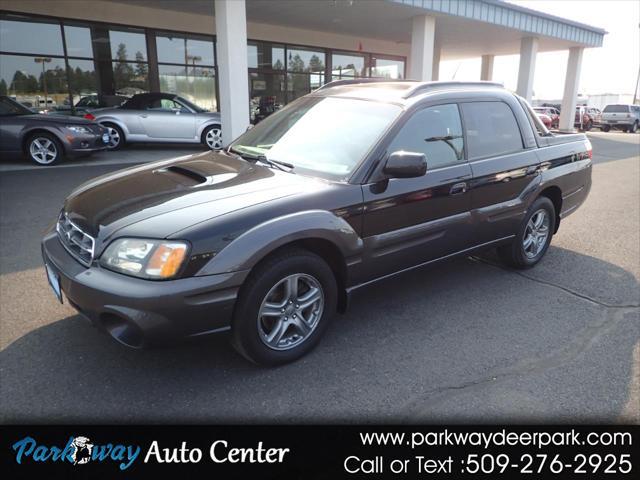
<point x="177" y="49"/>
<point x="387" y="68"/>
<point x="22" y="78"/>
<point x="348" y="65"/>
<point x="196" y="84"/>
<point x="31" y="37"/>
<point x="305" y="60"/>
<point x="265" y="55"/>
<point x="130" y="78"/>
<point x="82" y="79"/>
<point x="78" y="41"/>
<point x="299" y="84"/>
<point x="128" y="46"/>
<point x="267" y="94"/>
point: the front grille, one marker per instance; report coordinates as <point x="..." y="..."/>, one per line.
<point x="78" y="244"/>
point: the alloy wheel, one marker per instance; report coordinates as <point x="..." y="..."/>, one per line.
<point x="536" y="233"/>
<point x="213" y="139"/>
<point x="114" y="137"/>
<point x="291" y="311"/>
<point x="43" y="150"/>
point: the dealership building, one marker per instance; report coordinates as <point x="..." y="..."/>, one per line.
<point x="241" y="56"/>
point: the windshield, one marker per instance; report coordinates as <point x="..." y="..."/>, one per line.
<point x="616" y="108"/>
<point x="325" y="136"/>
<point x="11" y="107"/>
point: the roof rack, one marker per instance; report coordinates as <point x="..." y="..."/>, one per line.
<point x="356" y="81"/>
<point x="418" y="88"/>
<point x="425" y="86"/>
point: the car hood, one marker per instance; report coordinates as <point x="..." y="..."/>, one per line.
<point x="178" y="193"/>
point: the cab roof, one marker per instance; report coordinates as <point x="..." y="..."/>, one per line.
<point x="398" y="91"/>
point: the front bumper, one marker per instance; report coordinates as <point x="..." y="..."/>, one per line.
<point x="139" y="312"/>
<point x="81" y="144"/>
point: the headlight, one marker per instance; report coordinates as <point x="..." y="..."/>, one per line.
<point x="153" y="259"/>
<point x="78" y="129"/>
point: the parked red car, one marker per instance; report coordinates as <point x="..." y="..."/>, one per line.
<point x="552" y="113"/>
<point x="546" y="119"/>
<point x="590" y="117"/>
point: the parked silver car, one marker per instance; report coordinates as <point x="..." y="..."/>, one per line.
<point x="159" y="118"/>
<point x="621" y="117"/>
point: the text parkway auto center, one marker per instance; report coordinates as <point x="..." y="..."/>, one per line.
<point x="210" y="51"/>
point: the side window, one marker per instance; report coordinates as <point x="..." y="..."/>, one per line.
<point x="492" y="129"/>
<point x="167" y="104"/>
<point x="436" y="132"/>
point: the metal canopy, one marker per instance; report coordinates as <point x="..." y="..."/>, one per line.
<point x="464" y="28"/>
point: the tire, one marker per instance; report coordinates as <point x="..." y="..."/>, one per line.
<point x="116" y="136"/>
<point x="518" y="254"/>
<point x="212" y="137"/>
<point x="606" y="128"/>
<point x="283" y="335"/>
<point x="44" y="149"/>
<point x="634" y="128"/>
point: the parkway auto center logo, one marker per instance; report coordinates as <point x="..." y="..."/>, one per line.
<point x="79" y="450"/>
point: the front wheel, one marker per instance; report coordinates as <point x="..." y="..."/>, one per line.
<point x="44" y="149"/>
<point x="634" y="128"/>
<point x="533" y="237"/>
<point x="606" y="128"/>
<point x="284" y="308"/>
<point x="212" y="137"/>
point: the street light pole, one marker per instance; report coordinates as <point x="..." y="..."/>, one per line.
<point x="44" y="60"/>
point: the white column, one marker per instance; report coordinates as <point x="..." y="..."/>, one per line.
<point x="233" y="76"/>
<point x="528" y="52"/>
<point x="486" y="68"/>
<point x="422" y="45"/>
<point x="571" y="82"/>
<point x="435" y="69"/>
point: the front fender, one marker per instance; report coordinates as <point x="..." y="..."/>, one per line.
<point x="252" y="246"/>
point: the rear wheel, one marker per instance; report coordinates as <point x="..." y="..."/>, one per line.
<point x="44" y="149"/>
<point x="606" y="128"/>
<point x="284" y="307"/>
<point x="116" y="136"/>
<point x="533" y="237"/>
<point x="212" y="137"/>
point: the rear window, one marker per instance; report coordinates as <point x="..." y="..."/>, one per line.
<point x="491" y="129"/>
<point x="616" y="109"/>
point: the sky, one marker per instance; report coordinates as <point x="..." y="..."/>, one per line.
<point x="612" y="68"/>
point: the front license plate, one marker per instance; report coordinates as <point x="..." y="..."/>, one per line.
<point x="54" y="281"/>
<point x="105" y="137"/>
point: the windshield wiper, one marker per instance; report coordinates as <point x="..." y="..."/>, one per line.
<point x="263" y="159"/>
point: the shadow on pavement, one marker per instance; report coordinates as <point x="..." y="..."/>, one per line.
<point x="463" y="341"/>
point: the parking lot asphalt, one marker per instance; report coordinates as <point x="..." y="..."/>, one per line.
<point x="466" y="341"/>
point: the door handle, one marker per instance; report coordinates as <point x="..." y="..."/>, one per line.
<point x="458" y="188"/>
<point x="144" y="115"/>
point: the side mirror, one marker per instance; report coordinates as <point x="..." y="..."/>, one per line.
<point x="403" y="164"/>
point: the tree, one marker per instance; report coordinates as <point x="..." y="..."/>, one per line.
<point x="3" y="87"/>
<point x="315" y="64"/>
<point x="122" y="71"/>
<point x="141" y="66"/>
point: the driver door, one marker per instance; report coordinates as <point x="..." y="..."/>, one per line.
<point x="408" y="221"/>
<point x="168" y="119"/>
